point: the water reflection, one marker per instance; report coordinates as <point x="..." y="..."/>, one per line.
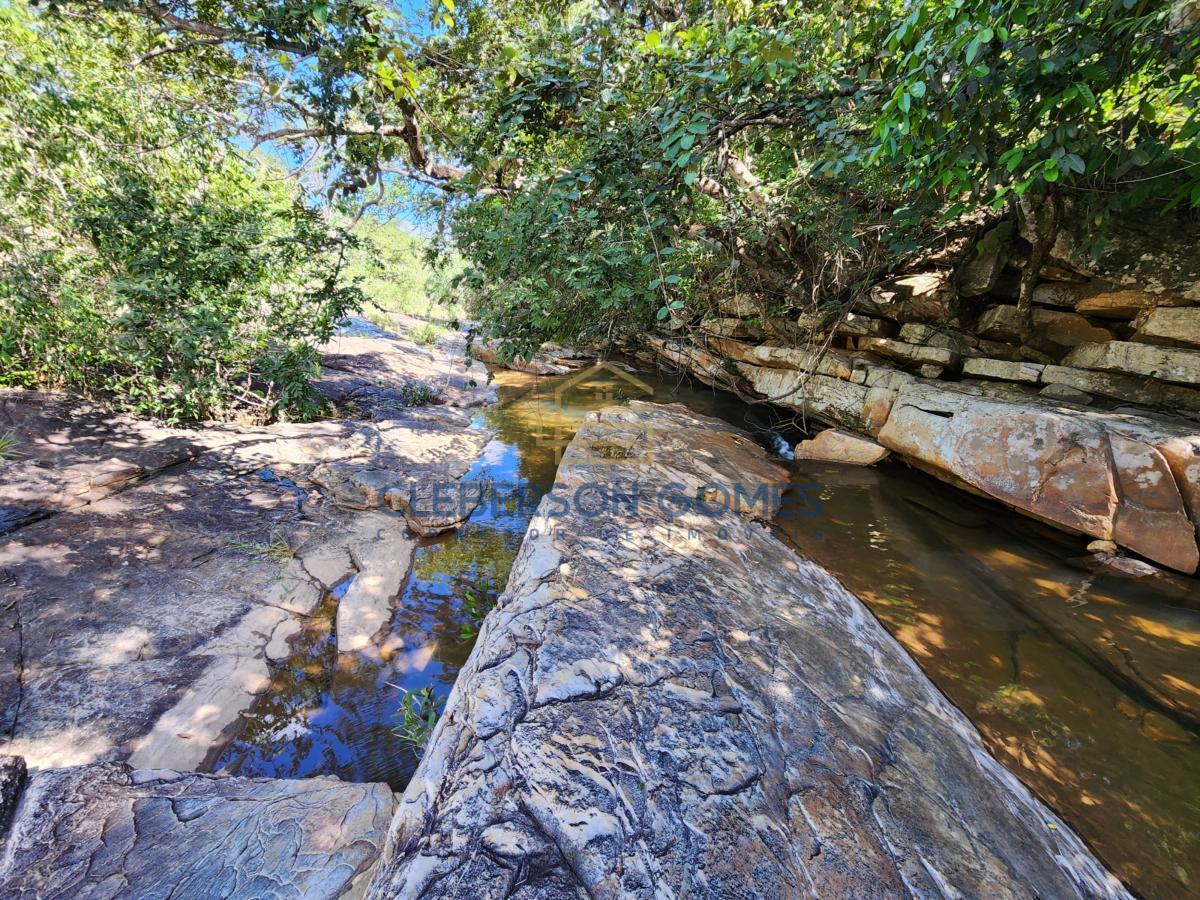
<point x="1064" y="669"/>
<point x="331" y="714"/>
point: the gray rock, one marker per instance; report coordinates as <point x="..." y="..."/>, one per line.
<point x="104" y="830"/>
<point x="1169" y="326"/>
<point x="1066" y="394"/>
<point x="1002" y="370"/>
<point x="1127" y="358"/>
<point x="671" y="705"/>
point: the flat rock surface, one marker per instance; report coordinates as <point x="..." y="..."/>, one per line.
<point x="671" y="702"/>
<point x="373" y="372"/>
<point x="104" y="830"/>
<point x="140" y="615"/>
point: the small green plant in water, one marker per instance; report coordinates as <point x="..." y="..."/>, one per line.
<point x="419" y="713"/>
<point x="8" y="446"/>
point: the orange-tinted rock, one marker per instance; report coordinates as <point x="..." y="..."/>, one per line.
<point x="1074" y="470"/>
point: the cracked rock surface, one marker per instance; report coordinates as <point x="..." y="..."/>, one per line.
<point x="105" y="830"/>
<point x="671" y="702"/>
<point x="154" y="574"/>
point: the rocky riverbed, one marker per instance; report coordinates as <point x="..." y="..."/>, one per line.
<point x="668" y="699"/>
<point x="152" y="576"/>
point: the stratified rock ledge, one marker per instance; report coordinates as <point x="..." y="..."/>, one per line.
<point x="673" y="703"/>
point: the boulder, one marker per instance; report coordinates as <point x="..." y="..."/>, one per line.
<point x="1146" y="360"/>
<point x="925" y="297"/>
<point x="1075" y="470"/>
<point x="105" y="830"/>
<point x="1175" y="327"/>
<point x="1066" y="329"/>
<point x="837" y="445"/>
<point x="1156" y="254"/>
<point x="981" y="270"/>
<point x="851" y="323"/>
<point x="831" y="400"/>
<point x="739" y="306"/>
<point x="668" y="702"/>
<point x="1002" y="370"/>
<point x="929" y="336"/>
<point x="1096" y="298"/>
<point x="731" y="328"/>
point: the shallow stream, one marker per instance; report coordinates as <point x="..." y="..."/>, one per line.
<point x="1062" y="667"/>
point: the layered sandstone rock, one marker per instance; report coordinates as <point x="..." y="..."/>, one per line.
<point x="106" y="830"/>
<point x="835" y="445"/>
<point x="669" y="702"/>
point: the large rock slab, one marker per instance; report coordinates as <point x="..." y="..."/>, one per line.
<point x="1169" y="326"/>
<point x="1065" y="467"/>
<point x="106" y="830"/>
<point x="1128" y="358"/>
<point x="670" y="702"/>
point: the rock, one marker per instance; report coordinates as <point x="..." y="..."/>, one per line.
<point x="1075" y="470"/>
<point x="1156" y="254"/>
<point x="831" y="400"/>
<point x="1065" y="393"/>
<point x="1125" y="387"/>
<point x="851" y="323"/>
<point x="1057" y="293"/>
<point x="983" y="266"/>
<point x="1003" y="323"/>
<point x="671" y="702"/>
<point x="707" y="367"/>
<point x="1123" y="304"/>
<point x="374" y="373"/>
<point x="141" y="625"/>
<point x="731" y="328"/>
<point x="1102" y="547"/>
<point x="488" y="353"/>
<point x="104" y="830"/>
<point x="13" y="773"/>
<point x="739" y="306"/>
<point x="927" y="297"/>
<point x="382" y="555"/>
<point x="929" y="371"/>
<point x="929" y="336"/>
<point x="1172" y="327"/>
<point x="837" y="445"/>
<point x="1162" y="730"/>
<point x="1104" y="300"/>
<point x="1003" y="370"/>
<point x="908" y="353"/>
<point x="1128" y="358"/>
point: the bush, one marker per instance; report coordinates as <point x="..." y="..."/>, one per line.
<point x="426" y="333"/>
<point x="170" y="277"/>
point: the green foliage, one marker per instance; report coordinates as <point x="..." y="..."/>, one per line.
<point x="650" y="160"/>
<point x="419" y="393"/>
<point x="419" y="714"/>
<point x="141" y="258"/>
<point x="9" y="446"/>
<point x="426" y="333"/>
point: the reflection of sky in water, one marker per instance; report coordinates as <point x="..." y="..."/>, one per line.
<point x="326" y="715"/>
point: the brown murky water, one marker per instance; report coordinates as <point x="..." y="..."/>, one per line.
<point x="1078" y="680"/>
